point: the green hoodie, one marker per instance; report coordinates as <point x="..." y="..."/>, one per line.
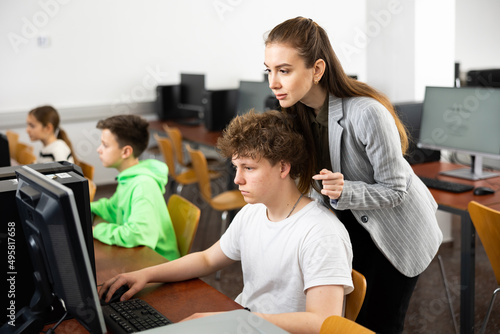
<point x="137" y="214"/>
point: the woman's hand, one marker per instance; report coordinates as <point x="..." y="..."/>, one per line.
<point x="135" y="280"/>
<point x="333" y="183"/>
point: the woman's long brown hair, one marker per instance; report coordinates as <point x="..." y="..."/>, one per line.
<point x="312" y="43"/>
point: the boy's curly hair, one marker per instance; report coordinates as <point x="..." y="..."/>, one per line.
<point x="268" y="135"/>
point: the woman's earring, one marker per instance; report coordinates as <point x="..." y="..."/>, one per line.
<point x="316" y="81"/>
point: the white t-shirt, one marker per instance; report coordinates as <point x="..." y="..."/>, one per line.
<point x="55" y="151"/>
<point x="281" y="260"/>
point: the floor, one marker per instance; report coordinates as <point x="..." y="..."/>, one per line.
<point x="429" y="310"/>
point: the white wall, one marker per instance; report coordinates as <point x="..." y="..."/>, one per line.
<point x="110" y="52"/>
<point x="477" y="41"/>
<point x="411" y="46"/>
<point x="104" y="57"/>
<point x="91" y="59"/>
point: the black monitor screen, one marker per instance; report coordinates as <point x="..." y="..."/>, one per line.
<point x="53" y="232"/>
<point x="253" y="95"/>
<point x="192" y="88"/>
<point x="4" y="151"/>
<point x="410" y="114"/>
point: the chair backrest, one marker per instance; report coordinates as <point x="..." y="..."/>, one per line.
<point x="185" y="217"/>
<point x="487" y="224"/>
<point x="87" y="169"/>
<point x="92" y="189"/>
<point x="22" y="147"/>
<point x="200" y="166"/>
<point x="13" y="139"/>
<point x="24" y="154"/>
<point x="355" y="299"/>
<point x="339" y="325"/>
<point x="167" y="150"/>
<point x="175" y="136"/>
<point x="25" y="157"/>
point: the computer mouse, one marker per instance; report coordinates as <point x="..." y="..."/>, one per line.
<point x="116" y="296"/>
<point x="478" y="191"/>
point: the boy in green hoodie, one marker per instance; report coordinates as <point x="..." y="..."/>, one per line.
<point x="136" y="214"/>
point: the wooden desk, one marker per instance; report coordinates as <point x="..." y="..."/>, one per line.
<point x="456" y="203"/>
<point x="175" y="300"/>
<point x="196" y="134"/>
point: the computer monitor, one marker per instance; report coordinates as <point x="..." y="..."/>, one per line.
<point x="64" y="173"/>
<point x="57" y="247"/>
<point x="410" y="114"/>
<point x="252" y="95"/>
<point x="191" y="100"/>
<point x="463" y="120"/>
<point x="4" y="151"/>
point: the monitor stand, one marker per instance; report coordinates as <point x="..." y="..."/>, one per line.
<point x="194" y="114"/>
<point x="474" y="173"/>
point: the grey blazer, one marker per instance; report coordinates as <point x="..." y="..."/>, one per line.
<point x="380" y="188"/>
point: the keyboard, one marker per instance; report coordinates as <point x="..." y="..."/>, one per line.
<point x="133" y="315"/>
<point x="446" y="185"/>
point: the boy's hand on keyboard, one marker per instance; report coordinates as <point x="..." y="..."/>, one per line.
<point x="134" y="280"/>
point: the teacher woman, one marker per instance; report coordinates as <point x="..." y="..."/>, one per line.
<point x="357" y="145"/>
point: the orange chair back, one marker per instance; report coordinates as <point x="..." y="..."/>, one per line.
<point x="355" y="299"/>
<point x="87" y="169"/>
<point x="13" y="139"/>
<point x="175" y="136"/>
<point x="92" y="189"/>
<point x="21" y="152"/>
<point x="201" y="168"/>
<point x="487" y="224"/>
<point x="185" y="218"/>
<point x="339" y="325"/>
<point x="167" y="150"/>
<point x="25" y="156"/>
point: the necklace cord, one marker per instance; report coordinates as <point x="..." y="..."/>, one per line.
<point x="300" y="197"/>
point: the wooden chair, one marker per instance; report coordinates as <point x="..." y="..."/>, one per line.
<point x="339" y="325"/>
<point x="24" y="154"/>
<point x="92" y="190"/>
<point x="224" y="202"/>
<point x="185" y="217"/>
<point x="176" y="136"/>
<point x="87" y="169"/>
<point x="13" y="139"/>
<point x="188" y="176"/>
<point x="21" y="153"/>
<point x="487" y="224"/>
<point x="355" y="299"/>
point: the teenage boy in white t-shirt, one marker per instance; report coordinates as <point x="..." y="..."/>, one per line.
<point x="295" y="254"/>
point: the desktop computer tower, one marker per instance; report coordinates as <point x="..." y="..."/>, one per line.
<point x="17" y="270"/>
<point x="220" y="108"/>
<point x="167" y="101"/>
